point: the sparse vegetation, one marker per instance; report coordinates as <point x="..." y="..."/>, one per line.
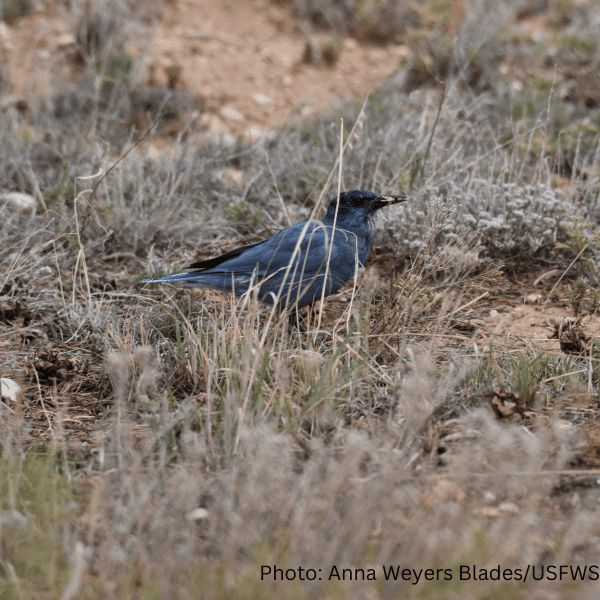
<point x="172" y="442"/>
<point x="581" y="243"/>
<point x="577" y="295"/>
<point x="242" y="212"/>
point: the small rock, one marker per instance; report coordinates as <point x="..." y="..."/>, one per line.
<point x="230" y="113"/>
<point x="533" y="298"/>
<point x="263" y="99"/>
<point x="489" y="497"/>
<point x="253" y="133"/>
<point x="21" y="202"/>
<point x="10" y="389"/>
<point x="64" y="41"/>
<point x="509" y="507"/>
<point x="198" y="514"/>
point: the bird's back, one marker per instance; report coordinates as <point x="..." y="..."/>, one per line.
<point x="293" y="261"/>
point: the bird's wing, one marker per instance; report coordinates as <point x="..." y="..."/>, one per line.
<point x="202" y="265"/>
<point x="273" y="253"/>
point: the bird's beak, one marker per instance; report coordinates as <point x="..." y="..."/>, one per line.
<point x="382" y="201"/>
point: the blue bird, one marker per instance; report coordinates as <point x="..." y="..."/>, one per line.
<point x="292" y="267"/>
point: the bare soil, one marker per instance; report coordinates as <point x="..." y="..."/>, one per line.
<point x="243" y="60"/>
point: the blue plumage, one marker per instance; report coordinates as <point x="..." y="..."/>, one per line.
<point x="291" y="266"/>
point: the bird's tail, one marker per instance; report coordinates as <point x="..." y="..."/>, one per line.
<point x="220" y="281"/>
<point x="189" y="277"/>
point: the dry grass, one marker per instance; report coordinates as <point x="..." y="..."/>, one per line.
<point x="226" y="447"/>
<point x="170" y="443"/>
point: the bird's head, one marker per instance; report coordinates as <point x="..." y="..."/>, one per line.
<point x="358" y="206"/>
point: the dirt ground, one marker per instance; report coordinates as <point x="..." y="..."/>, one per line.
<point x="243" y="60"/>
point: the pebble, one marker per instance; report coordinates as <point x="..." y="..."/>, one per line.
<point x="10" y="389"/>
<point x="20" y="202"/>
